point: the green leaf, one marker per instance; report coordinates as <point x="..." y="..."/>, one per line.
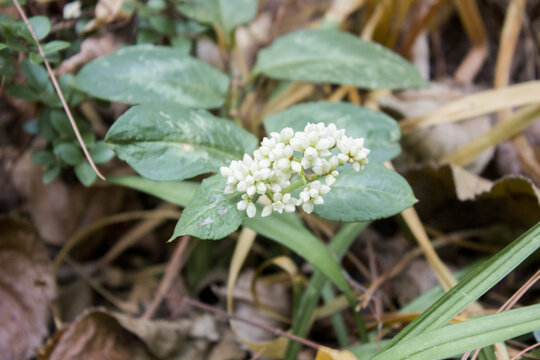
<point x="36" y="58"/>
<point x="3" y="46"/>
<point x="43" y="158"/>
<point x="286" y="230"/>
<point x="369" y="194"/>
<point x="51" y="173"/>
<point x="474" y="285"/>
<point x="211" y="214"/>
<point x="367" y="351"/>
<point x="172" y="142"/>
<point x="70" y="153"/>
<point x="147" y="74"/>
<point x="336" y="57"/>
<point x="85" y="173"/>
<point x="55" y="45"/>
<point x="456" y="339"/>
<point x="301" y="321"/>
<point x="35" y="75"/>
<point x="41" y="26"/>
<point x="22" y="91"/>
<point x="380" y="131"/>
<point x="176" y="192"/>
<point x="227" y="14"/>
<point x="283" y="228"/>
<point x="100" y="152"/>
<point x="162" y="24"/>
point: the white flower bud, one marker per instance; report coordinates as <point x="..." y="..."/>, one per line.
<point x="308" y="207"/>
<point x="251" y="190"/>
<point x="261" y="188"/>
<point x="329" y="180"/>
<point x="286" y="134"/>
<point x="267" y="210"/>
<point x="225" y="171"/>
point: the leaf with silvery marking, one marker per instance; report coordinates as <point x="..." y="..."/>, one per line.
<point x="148" y="74"/>
<point x="369" y="194"/>
<point x="226" y="14"/>
<point x="380" y="131"/>
<point x="211" y="214"/>
<point x="172" y="142"/>
<point x="338" y="57"/>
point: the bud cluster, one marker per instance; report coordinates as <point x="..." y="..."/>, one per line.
<point x="310" y="158"/>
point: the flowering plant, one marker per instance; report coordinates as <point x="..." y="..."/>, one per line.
<point x="273" y="165"/>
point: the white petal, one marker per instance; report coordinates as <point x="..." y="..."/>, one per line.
<point x="242" y="205"/>
<point x="251" y="210"/>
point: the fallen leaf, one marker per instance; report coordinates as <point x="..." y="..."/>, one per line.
<point x="26" y="289"/>
<point x="431" y="144"/>
<point x="101" y="334"/>
<point x="107" y="11"/>
<point x="450" y="199"/>
<point x="326" y="353"/>
<point x="91" y="48"/>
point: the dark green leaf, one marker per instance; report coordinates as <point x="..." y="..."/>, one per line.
<point x="85" y="173"/>
<point x="336" y="57"/>
<point x="22" y="91"/>
<point x="225" y="14"/>
<point x="147" y="74"/>
<point x="43" y="158"/>
<point x="70" y="153"/>
<point x="35" y="75"/>
<point x="380" y="131"/>
<point x="162" y="24"/>
<point x="41" y="26"/>
<point x="369" y="194"/>
<point x="51" y="173"/>
<point x="55" y="45"/>
<point x="211" y="214"/>
<point x="100" y="152"/>
<point x="172" y="142"/>
<point x="35" y="58"/>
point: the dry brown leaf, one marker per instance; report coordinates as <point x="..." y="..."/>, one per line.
<point x="432" y="144"/>
<point x="91" y="49"/>
<point x="58" y="210"/>
<point x="26" y="288"/>
<point x="326" y="353"/>
<point x="107" y="11"/>
<point x="450" y="198"/>
<point x="99" y="334"/>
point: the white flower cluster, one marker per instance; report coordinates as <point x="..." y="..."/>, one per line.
<point x="305" y="157"/>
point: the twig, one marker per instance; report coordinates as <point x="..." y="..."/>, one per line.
<point x="171" y="273"/>
<point x="58" y="90"/>
<point x="132" y="236"/>
<point x="522" y="352"/>
<point x="223" y="313"/>
<point x="127" y="216"/>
